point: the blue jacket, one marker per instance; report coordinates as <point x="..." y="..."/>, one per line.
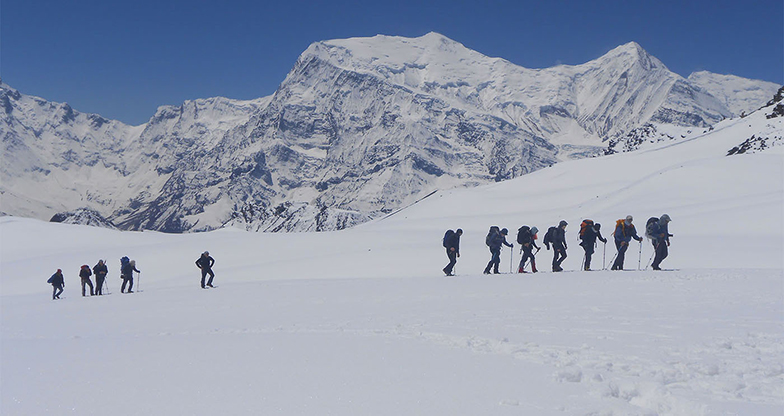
<point x="660" y="231"/>
<point x="625" y="232"/>
<point x="496" y="240"/>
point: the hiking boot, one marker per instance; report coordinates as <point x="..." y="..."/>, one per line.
<point x="210" y="285"/>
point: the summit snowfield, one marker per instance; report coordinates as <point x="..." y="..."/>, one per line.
<point x="362" y="321"/>
<point x="358" y="129"/>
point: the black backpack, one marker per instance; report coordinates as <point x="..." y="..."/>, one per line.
<point x="650" y="227"/>
<point x="523" y="234"/>
<point x="447" y="236"/>
<point x="493" y="230"/>
<point x="584" y="227"/>
<point x="548" y="238"/>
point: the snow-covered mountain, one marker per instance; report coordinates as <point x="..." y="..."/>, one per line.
<point x="359" y="128"/>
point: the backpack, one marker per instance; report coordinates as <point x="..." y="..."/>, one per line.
<point x="584" y="227"/>
<point x="548" y="238"/>
<point x="447" y="236"/>
<point x="523" y="234"/>
<point x="51" y="279"/>
<point x="493" y="230"/>
<point x="124" y="260"/>
<point x="650" y="227"/>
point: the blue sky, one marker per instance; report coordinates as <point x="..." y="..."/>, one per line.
<point x="122" y="59"/>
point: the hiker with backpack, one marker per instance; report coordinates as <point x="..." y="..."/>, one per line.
<point x="85" y="274"/>
<point x="623" y="234"/>
<point x="100" y="271"/>
<point x="58" y="284"/>
<point x="526" y="237"/>
<point x="657" y="230"/>
<point x="127" y="267"/>
<point x="205" y="263"/>
<point x="494" y="240"/>
<point x="557" y="237"/>
<point x="452" y="245"/>
<point x="589" y="233"/>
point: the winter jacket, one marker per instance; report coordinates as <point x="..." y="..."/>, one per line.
<point x="496" y="240"/>
<point x="528" y="238"/>
<point x="57" y="280"/>
<point x="100" y="269"/>
<point x="559" y="237"/>
<point x="205" y="263"/>
<point x="625" y="233"/>
<point x="660" y="232"/>
<point x="127" y="271"/>
<point x="590" y="235"/>
<point x="453" y="242"/>
<point x="85" y="273"/>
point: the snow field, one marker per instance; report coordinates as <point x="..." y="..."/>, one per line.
<point x="362" y="321"/>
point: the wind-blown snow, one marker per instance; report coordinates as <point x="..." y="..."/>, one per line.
<point x="362" y="321"/>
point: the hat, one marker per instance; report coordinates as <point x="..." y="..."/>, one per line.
<point x="459" y="231"/>
<point x="562" y="223"/>
<point x="504" y="231"/>
<point x="597" y="226"/>
<point x="629" y="219"/>
<point x="534" y="230"/>
<point x="59" y="271"/>
<point x="665" y="218"/>
<point x="206" y="253"/>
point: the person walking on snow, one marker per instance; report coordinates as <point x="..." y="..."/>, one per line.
<point x="452" y="245"/>
<point x="526" y="237"/>
<point x="127" y="275"/>
<point x="58" y="284"/>
<point x="100" y="271"/>
<point x="558" y="240"/>
<point x="205" y="263"/>
<point x="494" y="240"/>
<point x="589" y="232"/>
<point x="660" y="235"/>
<point x="85" y="274"/>
<point x="623" y="234"/>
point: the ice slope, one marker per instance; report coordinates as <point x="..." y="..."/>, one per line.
<point x="361" y="321"/>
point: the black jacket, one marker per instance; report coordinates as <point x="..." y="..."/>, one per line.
<point x="85" y="273"/>
<point x="559" y="237"/>
<point x="100" y="269"/>
<point x="453" y="242"/>
<point x="590" y="236"/>
<point x="205" y="262"/>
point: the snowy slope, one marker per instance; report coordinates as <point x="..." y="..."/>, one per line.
<point x="739" y="95"/>
<point x="361" y="321"/>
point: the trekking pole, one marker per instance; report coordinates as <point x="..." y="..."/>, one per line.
<point x="604" y="254"/>
<point x="582" y="265"/>
<point x="612" y="260"/>
<point x="138" y="282"/>
<point x="511" y="255"/>
<point x="649" y="260"/>
<point x="106" y="285"/>
<point x="639" y="258"/>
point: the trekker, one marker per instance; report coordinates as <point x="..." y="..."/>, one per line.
<point x="526" y="237"/>
<point x="58" y="284"/>
<point x="657" y="230"/>
<point x="557" y="237"/>
<point x="452" y="245"/>
<point x="205" y="263"/>
<point x="494" y="240"/>
<point x="128" y="267"/>
<point x="100" y="271"/>
<point x="624" y="232"/>
<point x="589" y="232"/>
<point x="85" y="274"/>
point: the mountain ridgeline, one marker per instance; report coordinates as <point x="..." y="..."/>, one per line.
<point x="359" y="128"/>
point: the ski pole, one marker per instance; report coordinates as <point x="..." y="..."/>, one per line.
<point x="604" y="254"/>
<point x="612" y="260"/>
<point x="651" y="258"/>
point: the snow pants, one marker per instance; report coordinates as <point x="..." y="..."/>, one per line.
<point x="452" y="255"/>
<point x="56" y="291"/>
<point x="127" y="280"/>
<point x="495" y="260"/>
<point x="622" y="246"/>
<point x="204" y="272"/>
<point x="661" y="254"/>
<point x="87" y="282"/>
<point x="589" y="250"/>
<point x="559" y="254"/>
<point x="527" y="254"/>
<point x="99" y="279"/>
